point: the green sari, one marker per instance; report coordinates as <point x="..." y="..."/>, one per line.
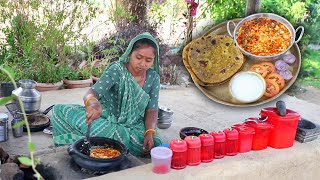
<point x="123" y="102"/>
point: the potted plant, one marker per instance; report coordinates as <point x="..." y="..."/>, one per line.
<point x="78" y="78"/>
<point x="49" y="76"/>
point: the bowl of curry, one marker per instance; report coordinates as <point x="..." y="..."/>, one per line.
<point x="264" y="36"/>
<point x="105" y="154"/>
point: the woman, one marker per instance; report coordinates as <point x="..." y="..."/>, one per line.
<point x="122" y="105"/>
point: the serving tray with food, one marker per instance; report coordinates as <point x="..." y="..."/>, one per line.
<point x="245" y="62"/>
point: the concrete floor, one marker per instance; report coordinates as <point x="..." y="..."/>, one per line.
<point x="191" y="108"/>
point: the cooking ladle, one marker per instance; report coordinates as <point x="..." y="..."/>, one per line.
<point x="86" y="146"/>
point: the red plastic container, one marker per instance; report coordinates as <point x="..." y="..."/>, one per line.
<point x="285" y="127"/>
<point x="232" y="137"/>
<point x="261" y="137"/>
<point x="245" y="137"/>
<point x="179" y="154"/>
<point x="207" y="147"/>
<point x="219" y="144"/>
<point x="194" y="150"/>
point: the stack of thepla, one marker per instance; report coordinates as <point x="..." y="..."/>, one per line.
<point x="212" y="59"/>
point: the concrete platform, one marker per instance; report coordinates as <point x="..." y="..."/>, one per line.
<point x="192" y="108"/>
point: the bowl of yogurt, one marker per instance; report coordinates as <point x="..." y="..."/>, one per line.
<point x="247" y="86"/>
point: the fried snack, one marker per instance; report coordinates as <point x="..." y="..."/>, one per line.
<point x="104" y="153"/>
<point x="214" y="58"/>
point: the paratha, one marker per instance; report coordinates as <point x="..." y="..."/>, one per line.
<point x="186" y="64"/>
<point x="214" y="58"/>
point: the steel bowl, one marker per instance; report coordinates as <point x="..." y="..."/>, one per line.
<point x="164" y="125"/>
<point x="191" y="131"/>
<point x="275" y="17"/>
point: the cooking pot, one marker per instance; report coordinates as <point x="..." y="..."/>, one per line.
<point x="98" y="164"/>
<point x="275" y="17"/>
<point x="30" y="97"/>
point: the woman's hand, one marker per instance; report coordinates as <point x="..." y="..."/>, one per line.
<point x="148" y="142"/>
<point x="93" y="111"/>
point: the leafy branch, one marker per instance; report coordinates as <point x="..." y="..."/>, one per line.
<point x="24" y="160"/>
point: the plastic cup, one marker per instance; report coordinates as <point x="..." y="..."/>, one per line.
<point x="161" y="159"/>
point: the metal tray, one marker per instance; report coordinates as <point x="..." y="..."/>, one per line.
<point x="221" y="92"/>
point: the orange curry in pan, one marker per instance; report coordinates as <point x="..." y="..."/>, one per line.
<point x="104" y="153"/>
<point x="264" y="37"/>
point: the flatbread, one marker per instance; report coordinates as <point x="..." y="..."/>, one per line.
<point x="214" y="58"/>
<point x="186" y="64"/>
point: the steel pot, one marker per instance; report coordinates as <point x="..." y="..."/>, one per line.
<point x="280" y="19"/>
<point x="97" y="164"/>
<point x="30" y="97"/>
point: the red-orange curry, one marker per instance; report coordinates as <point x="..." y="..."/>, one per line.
<point x="264" y="37"/>
<point x="104" y="153"/>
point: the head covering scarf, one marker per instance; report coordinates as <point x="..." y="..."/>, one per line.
<point x="125" y="57"/>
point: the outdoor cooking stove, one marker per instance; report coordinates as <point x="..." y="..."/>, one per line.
<point x="37" y="120"/>
<point x="129" y="162"/>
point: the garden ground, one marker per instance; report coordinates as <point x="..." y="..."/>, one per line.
<point x="192" y="108"/>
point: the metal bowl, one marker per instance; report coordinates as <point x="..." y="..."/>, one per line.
<point x="164" y="125"/>
<point x="191" y="131"/>
<point x="167" y="120"/>
<point x="280" y="19"/>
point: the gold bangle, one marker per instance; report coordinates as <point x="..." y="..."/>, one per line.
<point x="88" y="99"/>
<point x="152" y="130"/>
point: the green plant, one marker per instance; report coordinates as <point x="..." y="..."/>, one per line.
<point x="310" y="65"/>
<point x="169" y="74"/>
<point x="111" y="48"/>
<point x="24" y="160"/>
<point x="78" y="74"/>
<point x="220" y="10"/>
<point x="119" y="13"/>
<point x="48" y="72"/>
<point x="98" y="69"/>
<point x="167" y="20"/>
<point x="38" y="31"/>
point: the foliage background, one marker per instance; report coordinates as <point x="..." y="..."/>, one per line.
<point x="42" y="37"/>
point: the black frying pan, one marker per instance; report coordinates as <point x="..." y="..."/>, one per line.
<point x="97" y="164"/>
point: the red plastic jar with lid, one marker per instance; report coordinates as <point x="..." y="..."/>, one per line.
<point x="194" y="150"/>
<point x="232" y="137"/>
<point x="245" y="137"/>
<point x="219" y="144"/>
<point x="207" y="147"/>
<point x="285" y="127"/>
<point x="262" y="132"/>
<point x="179" y="154"/>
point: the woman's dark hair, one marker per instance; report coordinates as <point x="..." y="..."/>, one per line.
<point x="142" y="42"/>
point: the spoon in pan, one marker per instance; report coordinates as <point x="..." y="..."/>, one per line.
<point x="86" y="146"/>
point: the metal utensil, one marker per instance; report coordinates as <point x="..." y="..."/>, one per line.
<point x="86" y="146"/>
